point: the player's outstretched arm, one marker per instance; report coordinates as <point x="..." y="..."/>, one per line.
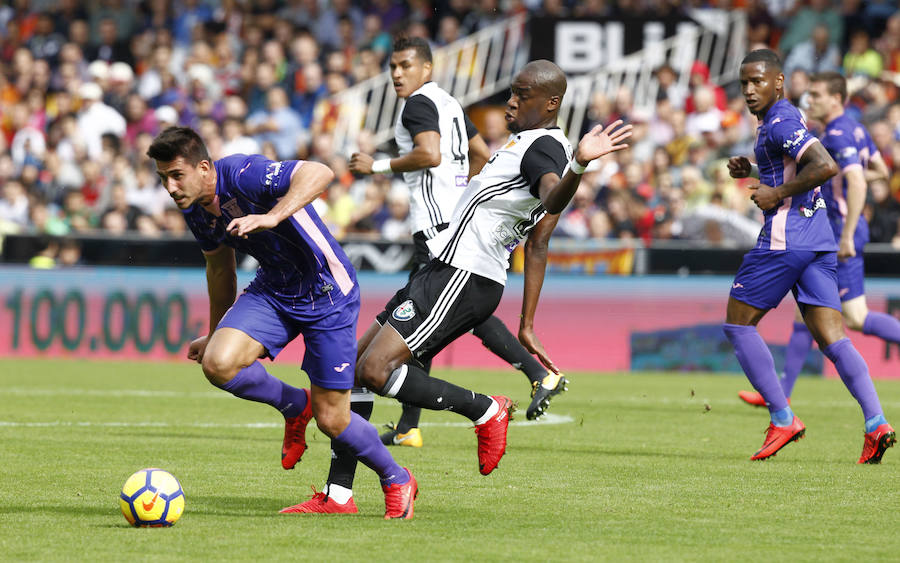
<point x="817" y="166"/>
<point x="221" y="285"/>
<point x="555" y="192"/>
<point x="308" y="183"/>
<point x="426" y="153"/>
<point x="535" y="266"/>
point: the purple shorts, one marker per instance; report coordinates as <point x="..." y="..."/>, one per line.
<point x="329" y="334"/>
<point x="765" y="277"/>
<point x="850" y="275"/>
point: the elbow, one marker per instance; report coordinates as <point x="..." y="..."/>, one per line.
<point x="433" y="159"/>
<point x="831" y="170"/>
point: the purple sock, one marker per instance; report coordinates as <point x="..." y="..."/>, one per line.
<point x="254" y="383"/>
<point x="797" y="350"/>
<point x="855" y="374"/>
<point x="362" y="439"/>
<point x="757" y="363"/>
<point x="882" y="325"/>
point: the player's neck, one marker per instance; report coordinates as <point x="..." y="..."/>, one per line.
<point x="762" y="113"/>
<point x="833" y="115"/>
<point x="209" y="188"/>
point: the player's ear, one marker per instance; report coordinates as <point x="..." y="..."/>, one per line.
<point x="553" y="103"/>
<point x="779" y="81"/>
<point x="204" y="166"/>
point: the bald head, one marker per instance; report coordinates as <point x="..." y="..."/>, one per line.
<point x="545" y="76"/>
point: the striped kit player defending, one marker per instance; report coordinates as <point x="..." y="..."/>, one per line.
<point x="522" y="188"/>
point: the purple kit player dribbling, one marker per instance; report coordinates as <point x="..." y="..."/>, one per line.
<point x="848" y="142"/>
<point x="796" y="251"/>
<point x="305" y="285"/>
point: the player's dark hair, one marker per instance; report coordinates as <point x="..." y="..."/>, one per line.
<point x="835" y="83"/>
<point x="178" y="141"/>
<point x="767" y="56"/>
<point x="423" y="50"/>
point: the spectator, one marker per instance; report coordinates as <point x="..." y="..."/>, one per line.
<point x="278" y="124"/>
<point x="14" y="205"/>
<point x="700" y="77"/>
<point x="397" y="226"/>
<point x="862" y="59"/>
<point x="807" y="18"/>
<point x="97" y="118"/>
<point x="816" y="54"/>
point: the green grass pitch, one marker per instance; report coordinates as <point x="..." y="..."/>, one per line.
<point x="633" y="467"/>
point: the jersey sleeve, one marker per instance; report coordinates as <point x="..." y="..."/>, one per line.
<point x="471" y="130"/>
<point x="419" y="115"/>
<point x="544" y="156"/>
<point x="842" y="149"/>
<point x="260" y="178"/>
<point x="793" y="136"/>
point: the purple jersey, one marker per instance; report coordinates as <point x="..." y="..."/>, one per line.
<point x="799" y="222"/>
<point x="299" y="260"/>
<point x="851" y="147"/>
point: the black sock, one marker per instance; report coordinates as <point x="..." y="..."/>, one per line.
<point x="409" y="418"/>
<point x="343" y="461"/>
<point x="436" y="394"/>
<point x="499" y="340"/>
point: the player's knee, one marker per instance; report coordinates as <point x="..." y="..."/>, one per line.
<point x="854" y="321"/>
<point x="331" y="421"/>
<point x="371" y="374"/>
<point x="218" y="369"/>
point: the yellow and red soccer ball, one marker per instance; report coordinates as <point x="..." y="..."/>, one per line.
<point x="152" y="498"/>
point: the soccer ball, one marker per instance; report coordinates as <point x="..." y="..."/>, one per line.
<point x="152" y="497"/>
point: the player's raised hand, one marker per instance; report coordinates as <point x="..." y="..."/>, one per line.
<point x="531" y="343"/>
<point x="602" y="140"/>
<point x="765" y="197"/>
<point x="198" y="348"/>
<point x="361" y="163"/>
<point x="739" y="166"/>
<point x="248" y="224"/>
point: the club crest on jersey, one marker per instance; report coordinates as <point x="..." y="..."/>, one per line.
<point x="807" y="212"/>
<point x="404" y="311"/>
<point x="462" y="181"/>
<point x="233" y="209"/>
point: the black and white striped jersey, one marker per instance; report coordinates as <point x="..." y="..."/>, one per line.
<point x="501" y="204"/>
<point x="435" y="191"/>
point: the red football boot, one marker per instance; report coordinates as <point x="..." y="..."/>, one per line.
<point x="294" y="443"/>
<point x="399" y="500"/>
<point x="778" y="437"/>
<point x="877" y="441"/>
<point x="492" y="435"/>
<point x="754" y="398"/>
<point x="320" y="503"/>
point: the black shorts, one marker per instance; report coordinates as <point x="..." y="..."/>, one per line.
<point x="421" y="254"/>
<point x="438" y="305"/>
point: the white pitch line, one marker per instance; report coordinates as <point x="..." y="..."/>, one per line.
<point x="547" y="419"/>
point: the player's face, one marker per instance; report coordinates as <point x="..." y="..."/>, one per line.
<point x="527" y="106"/>
<point x="821" y="103"/>
<point x="761" y="86"/>
<point x="185" y="183"/>
<point x="408" y="72"/>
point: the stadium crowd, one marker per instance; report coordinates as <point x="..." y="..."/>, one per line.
<point x="84" y="88"/>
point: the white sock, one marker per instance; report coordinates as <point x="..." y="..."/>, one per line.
<point x="337" y="493"/>
<point x="492" y="410"/>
